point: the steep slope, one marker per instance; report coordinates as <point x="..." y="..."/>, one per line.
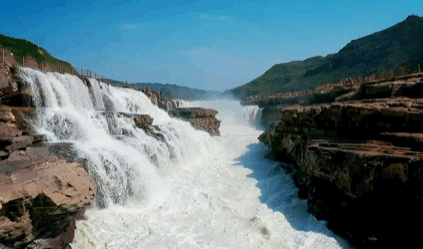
<point x="399" y="45"/>
<point x="34" y="55"/>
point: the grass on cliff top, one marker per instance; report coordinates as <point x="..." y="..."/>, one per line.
<point x="22" y="48"/>
<point x="399" y="45"/>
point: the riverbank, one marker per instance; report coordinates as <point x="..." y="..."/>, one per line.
<point x="358" y="158"/>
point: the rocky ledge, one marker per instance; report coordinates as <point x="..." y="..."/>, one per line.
<point x="200" y="118"/>
<point x="359" y="160"/>
<point x="44" y="187"/>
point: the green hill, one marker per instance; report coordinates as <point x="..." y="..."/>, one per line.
<point x="22" y="48"/>
<point x="399" y="45"/>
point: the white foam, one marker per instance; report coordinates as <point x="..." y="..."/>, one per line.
<point x="188" y="191"/>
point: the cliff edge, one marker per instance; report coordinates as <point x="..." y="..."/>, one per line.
<point x="359" y="160"/>
<point x="44" y="187"/>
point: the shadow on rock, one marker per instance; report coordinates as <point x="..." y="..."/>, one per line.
<point x="279" y="193"/>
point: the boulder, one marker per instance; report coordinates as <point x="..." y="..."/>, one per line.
<point x="143" y="121"/>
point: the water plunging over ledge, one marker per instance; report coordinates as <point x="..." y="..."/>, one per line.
<point x="188" y="190"/>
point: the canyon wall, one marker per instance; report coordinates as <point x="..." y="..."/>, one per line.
<point x="358" y="160"/>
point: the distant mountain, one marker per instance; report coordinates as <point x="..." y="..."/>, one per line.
<point x="399" y="45"/>
<point x="181" y="92"/>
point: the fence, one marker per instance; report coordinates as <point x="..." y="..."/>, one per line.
<point x="397" y="73"/>
<point x="392" y="74"/>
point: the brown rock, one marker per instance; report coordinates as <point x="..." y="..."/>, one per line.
<point x="143" y="121"/>
<point x="6" y="115"/>
<point x="359" y="163"/>
<point x="200" y="118"/>
<point x="39" y="194"/>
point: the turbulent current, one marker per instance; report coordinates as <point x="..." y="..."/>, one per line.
<point x="182" y="189"/>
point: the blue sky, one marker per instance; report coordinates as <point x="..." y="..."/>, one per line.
<point x="208" y="44"/>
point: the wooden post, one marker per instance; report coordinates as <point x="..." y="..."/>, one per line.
<point x="95" y="75"/>
<point x="3" y="56"/>
<point x="419" y="67"/>
<point x="23" y="61"/>
<point x="60" y="69"/>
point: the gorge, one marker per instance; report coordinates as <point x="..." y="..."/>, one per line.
<point x="168" y="186"/>
<point x="91" y="164"/>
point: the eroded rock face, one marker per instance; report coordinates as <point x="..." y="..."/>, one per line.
<point x="199" y="118"/>
<point x="40" y="195"/>
<point x="359" y="161"/>
<point x="43" y="187"/>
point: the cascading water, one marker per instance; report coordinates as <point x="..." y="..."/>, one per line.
<point x="122" y="159"/>
<point x="169" y="106"/>
<point x="187" y="190"/>
<point x="252" y="114"/>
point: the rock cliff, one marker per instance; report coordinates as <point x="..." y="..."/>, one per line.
<point x="358" y="160"/>
<point x="44" y="187"/>
<point x="200" y="118"/>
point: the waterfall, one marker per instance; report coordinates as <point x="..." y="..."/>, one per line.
<point x="169" y="106"/>
<point x="123" y="161"/>
<point x="252" y="115"/>
<point x="97" y="96"/>
<point x="180" y="188"/>
<point x="154" y="100"/>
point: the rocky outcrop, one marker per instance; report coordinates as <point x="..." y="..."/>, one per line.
<point x="143" y="121"/>
<point x="44" y="188"/>
<point x="272" y="104"/>
<point x="200" y="118"/>
<point x="359" y="160"/>
<point x="40" y="196"/>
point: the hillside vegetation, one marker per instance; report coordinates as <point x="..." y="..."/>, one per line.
<point x="22" y="48"/>
<point x="399" y="45"/>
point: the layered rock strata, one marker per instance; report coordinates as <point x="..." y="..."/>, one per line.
<point x="359" y="160"/>
<point x="44" y="188"/>
<point x="200" y="118"/>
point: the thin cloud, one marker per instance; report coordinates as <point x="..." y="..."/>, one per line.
<point x="127" y="26"/>
<point x="213" y="18"/>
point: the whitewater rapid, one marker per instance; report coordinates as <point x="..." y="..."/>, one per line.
<point x="186" y="190"/>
